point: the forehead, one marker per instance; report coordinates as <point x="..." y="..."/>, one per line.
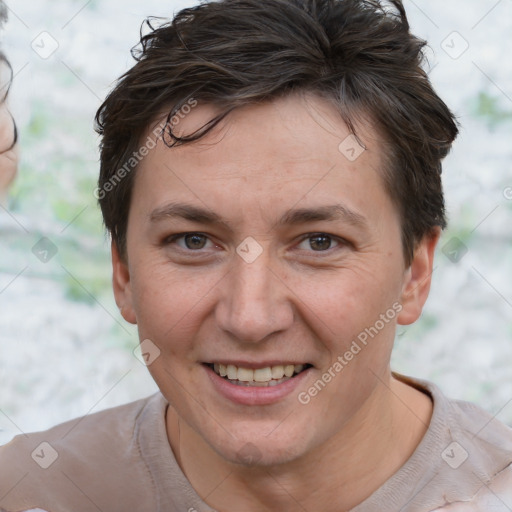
<point x="295" y="148"/>
<point x="299" y="125"/>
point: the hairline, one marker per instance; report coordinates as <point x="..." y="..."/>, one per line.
<point x="357" y="118"/>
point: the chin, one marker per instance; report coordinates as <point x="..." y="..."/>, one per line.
<point x="260" y="450"/>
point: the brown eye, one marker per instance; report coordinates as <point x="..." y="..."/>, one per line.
<point x="195" y="241"/>
<point x="320" y="242"/>
<point x="189" y="242"/>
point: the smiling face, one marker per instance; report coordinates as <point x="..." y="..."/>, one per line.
<point x="262" y="251"/>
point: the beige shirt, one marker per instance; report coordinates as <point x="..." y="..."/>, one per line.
<point x="120" y="460"/>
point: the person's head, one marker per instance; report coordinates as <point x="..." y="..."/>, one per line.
<point x="8" y="132"/>
<point x="282" y="118"/>
<point x="356" y="55"/>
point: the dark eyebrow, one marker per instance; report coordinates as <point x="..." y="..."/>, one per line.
<point x="331" y="212"/>
<point x="296" y="216"/>
<point x="187" y="212"/>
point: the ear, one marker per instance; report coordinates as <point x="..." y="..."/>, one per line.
<point x="122" y="285"/>
<point x="417" y="278"/>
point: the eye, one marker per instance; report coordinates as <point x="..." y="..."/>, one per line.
<point x="190" y="241"/>
<point x="319" y="242"/>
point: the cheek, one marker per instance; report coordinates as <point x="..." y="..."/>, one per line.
<point x="171" y="303"/>
<point x="346" y="301"/>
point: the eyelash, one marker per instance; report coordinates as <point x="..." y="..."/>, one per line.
<point x="339" y="241"/>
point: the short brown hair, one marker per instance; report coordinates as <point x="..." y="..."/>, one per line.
<point x="359" y="54"/>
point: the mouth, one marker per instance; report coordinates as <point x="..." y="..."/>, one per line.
<point x="267" y="376"/>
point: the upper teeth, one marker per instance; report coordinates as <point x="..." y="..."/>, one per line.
<point x="266" y="374"/>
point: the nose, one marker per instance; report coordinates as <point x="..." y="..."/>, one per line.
<point x="255" y="302"/>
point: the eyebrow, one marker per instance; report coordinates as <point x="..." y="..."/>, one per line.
<point x="187" y="212"/>
<point x="292" y="217"/>
<point x="327" y="213"/>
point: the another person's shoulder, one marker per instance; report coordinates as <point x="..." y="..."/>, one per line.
<point x="80" y="461"/>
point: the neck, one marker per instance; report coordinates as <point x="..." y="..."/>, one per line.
<point x="336" y="476"/>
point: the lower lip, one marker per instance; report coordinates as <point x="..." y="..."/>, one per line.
<point x="255" y="395"/>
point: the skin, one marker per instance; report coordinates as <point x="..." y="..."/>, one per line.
<point x="8" y="154"/>
<point x="293" y="303"/>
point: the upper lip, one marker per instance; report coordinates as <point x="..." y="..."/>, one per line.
<point x="255" y="365"/>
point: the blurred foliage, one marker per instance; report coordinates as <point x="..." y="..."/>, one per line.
<point x="488" y="108"/>
<point x="55" y="184"/>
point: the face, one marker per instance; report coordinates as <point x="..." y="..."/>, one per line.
<point x="8" y="152"/>
<point x="263" y="249"/>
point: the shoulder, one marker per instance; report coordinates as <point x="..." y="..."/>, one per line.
<point x="486" y="443"/>
<point x="79" y="461"/>
<point x="108" y="428"/>
<point x="477" y="467"/>
<point x="463" y="461"/>
<point x="481" y="440"/>
<point x="495" y="496"/>
<point x="487" y="440"/>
